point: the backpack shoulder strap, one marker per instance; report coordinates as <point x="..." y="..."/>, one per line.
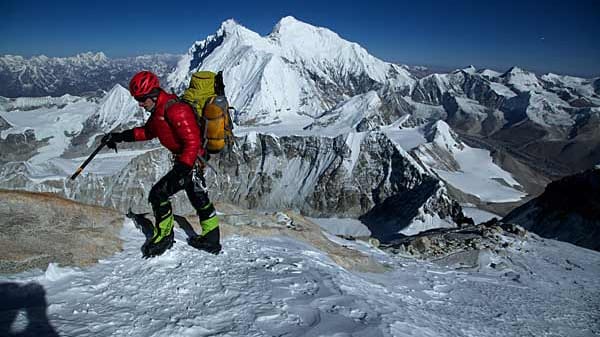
<point x="167" y="106"/>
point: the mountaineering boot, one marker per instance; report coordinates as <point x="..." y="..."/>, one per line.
<point x="209" y="240"/>
<point x="162" y="237"/>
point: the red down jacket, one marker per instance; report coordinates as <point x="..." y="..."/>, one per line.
<point x="180" y="134"/>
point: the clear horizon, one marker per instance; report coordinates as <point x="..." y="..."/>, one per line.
<point x="541" y="38"/>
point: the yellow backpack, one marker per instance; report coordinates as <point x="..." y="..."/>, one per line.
<point x="206" y="95"/>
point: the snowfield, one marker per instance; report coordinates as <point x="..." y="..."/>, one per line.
<point x="278" y="286"/>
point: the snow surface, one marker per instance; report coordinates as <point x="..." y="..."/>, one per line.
<point x="337" y="226"/>
<point x="477" y="173"/>
<point x="59" y="123"/>
<point x="522" y="80"/>
<point x="501" y="89"/>
<point x="277" y="286"/>
<point x="116" y="108"/>
<point x="478" y="215"/>
<point x="407" y="138"/>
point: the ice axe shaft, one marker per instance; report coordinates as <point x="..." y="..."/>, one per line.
<point x="87" y="161"/>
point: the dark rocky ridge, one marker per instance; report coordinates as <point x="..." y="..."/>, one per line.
<point x="568" y="210"/>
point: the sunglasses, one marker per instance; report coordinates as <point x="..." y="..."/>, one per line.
<point x="142" y="99"/>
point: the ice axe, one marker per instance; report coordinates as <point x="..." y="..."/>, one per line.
<point x="89" y="159"/>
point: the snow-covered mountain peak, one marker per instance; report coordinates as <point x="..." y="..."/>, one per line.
<point x="116" y="108"/>
<point x="470" y="69"/>
<point x="522" y="80"/>
<point x="276" y="78"/>
<point x="490" y="73"/>
<point x="232" y="28"/>
<point x="117" y="91"/>
<point x="291" y="28"/>
<point x="441" y="134"/>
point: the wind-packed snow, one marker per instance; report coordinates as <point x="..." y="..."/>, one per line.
<point x="581" y="86"/>
<point x="277" y="286"/>
<point x="426" y="111"/>
<point x="476" y="173"/>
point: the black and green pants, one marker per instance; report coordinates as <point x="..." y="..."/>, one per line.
<point x="195" y="188"/>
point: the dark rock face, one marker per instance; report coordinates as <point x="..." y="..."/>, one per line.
<point x="568" y="210"/>
<point x="313" y="174"/>
<point x="20" y="147"/>
<point x="4" y="125"/>
<point x="396" y="212"/>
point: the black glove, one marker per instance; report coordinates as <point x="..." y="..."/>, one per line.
<point x="112" y="139"/>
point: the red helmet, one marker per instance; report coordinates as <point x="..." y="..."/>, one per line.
<point x="142" y="83"/>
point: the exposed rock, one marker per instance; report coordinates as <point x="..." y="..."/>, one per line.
<point x="20" y="147"/>
<point x="39" y="228"/>
<point x="568" y="210"/>
<point x="458" y="247"/>
<point x="4" y="125"/>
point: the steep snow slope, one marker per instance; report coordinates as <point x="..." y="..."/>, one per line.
<point x="275" y="286"/>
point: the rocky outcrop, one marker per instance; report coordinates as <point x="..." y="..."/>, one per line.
<point x="39" y="228"/>
<point x="568" y="210"/>
<point x="4" y="125"/>
<point x="20" y="146"/>
<point x="466" y="247"/>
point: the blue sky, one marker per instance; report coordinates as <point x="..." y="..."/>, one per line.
<point x="542" y="36"/>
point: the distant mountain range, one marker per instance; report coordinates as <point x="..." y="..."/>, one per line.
<point x="317" y="115"/>
<point x="83" y="74"/>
